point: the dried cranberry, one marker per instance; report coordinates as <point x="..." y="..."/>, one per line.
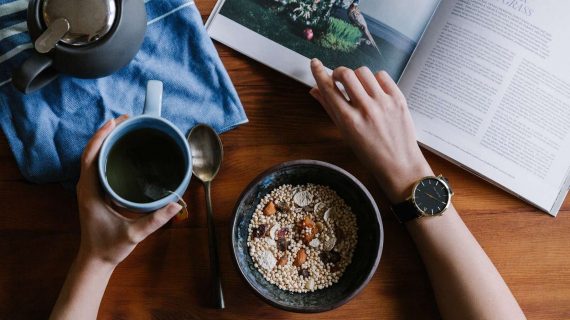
<point x="282" y="244"/>
<point x="260" y="231"/>
<point x="304" y="273"/>
<point x="263" y="229"/>
<point x="282" y="233"/>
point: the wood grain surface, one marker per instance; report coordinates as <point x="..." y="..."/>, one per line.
<point x="166" y="277"/>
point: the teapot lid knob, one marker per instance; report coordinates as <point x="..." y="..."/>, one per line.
<point x="89" y="20"/>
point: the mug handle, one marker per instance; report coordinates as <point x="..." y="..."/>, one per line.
<point x="153" y="99"/>
<point x="34" y="73"/>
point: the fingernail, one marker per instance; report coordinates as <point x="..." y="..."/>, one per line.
<point x="312" y="91"/>
<point x="174" y="208"/>
<point x="316" y="62"/>
<point x="108" y="124"/>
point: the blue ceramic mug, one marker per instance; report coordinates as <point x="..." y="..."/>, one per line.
<point x="150" y="119"/>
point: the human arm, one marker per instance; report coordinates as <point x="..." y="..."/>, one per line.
<point x="376" y="122"/>
<point x="107" y="238"/>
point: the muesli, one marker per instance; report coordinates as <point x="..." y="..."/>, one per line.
<point x="302" y="238"/>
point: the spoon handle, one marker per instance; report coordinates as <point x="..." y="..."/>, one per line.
<point x="217" y="292"/>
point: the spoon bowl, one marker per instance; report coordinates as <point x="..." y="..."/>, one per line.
<point x="207" y="152"/>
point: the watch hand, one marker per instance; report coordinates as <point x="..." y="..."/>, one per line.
<point x="429" y="195"/>
<point x="439" y="195"/>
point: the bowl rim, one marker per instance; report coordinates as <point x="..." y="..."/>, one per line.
<point x="329" y="166"/>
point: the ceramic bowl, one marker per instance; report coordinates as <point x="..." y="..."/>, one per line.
<point x="366" y="255"/>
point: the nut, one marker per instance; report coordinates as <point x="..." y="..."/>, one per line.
<point x="301" y="258"/>
<point x="283" y="260"/>
<point x="308" y="222"/>
<point x="269" y="209"/>
<point x="309" y="236"/>
<point x="293" y="246"/>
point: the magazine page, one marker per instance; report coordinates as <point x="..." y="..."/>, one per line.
<point x="489" y="87"/>
<point x="286" y="34"/>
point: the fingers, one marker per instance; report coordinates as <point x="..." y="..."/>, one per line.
<point x="388" y="85"/>
<point x="315" y="93"/>
<point x="121" y="119"/>
<point x="93" y="146"/>
<point x="88" y="179"/>
<point x="351" y="84"/>
<point x="328" y="89"/>
<point x="368" y="81"/>
<point x="148" y="224"/>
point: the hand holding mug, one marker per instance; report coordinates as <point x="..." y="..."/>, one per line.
<point x="106" y="235"/>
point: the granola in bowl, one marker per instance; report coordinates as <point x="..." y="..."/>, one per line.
<point x="301" y="238"/>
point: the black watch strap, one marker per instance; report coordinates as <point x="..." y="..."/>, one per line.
<point x="406" y="211"/>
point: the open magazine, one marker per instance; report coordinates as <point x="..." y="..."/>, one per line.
<point x="487" y="81"/>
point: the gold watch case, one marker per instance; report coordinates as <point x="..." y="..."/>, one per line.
<point x="441" y="179"/>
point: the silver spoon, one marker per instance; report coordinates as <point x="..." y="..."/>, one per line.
<point x="207" y="154"/>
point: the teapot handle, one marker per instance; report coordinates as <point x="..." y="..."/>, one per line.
<point x="34" y="73"/>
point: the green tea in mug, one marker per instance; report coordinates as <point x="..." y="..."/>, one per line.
<point x="145" y="165"/>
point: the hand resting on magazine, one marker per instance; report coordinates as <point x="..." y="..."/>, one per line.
<point x="376" y="122"/>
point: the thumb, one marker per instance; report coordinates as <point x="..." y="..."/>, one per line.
<point x="152" y="222"/>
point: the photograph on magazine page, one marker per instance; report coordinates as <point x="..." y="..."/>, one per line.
<point x="380" y="34"/>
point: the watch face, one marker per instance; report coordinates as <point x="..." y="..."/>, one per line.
<point x="431" y="196"/>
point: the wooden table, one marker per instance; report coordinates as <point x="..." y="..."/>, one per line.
<point x="166" y="277"/>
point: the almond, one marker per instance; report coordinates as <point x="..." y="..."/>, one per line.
<point x="269" y="209"/>
<point x="301" y="257"/>
<point x="309" y="236"/>
<point x="308" y="223"/>
<point x="283" y="260"/>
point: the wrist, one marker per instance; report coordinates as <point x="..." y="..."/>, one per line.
<point x="400" y="182"/>
<point x="87" y="261"/>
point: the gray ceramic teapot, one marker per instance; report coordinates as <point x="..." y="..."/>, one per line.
<point x="80" y="38"/>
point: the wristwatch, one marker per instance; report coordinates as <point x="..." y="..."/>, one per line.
<point x="431" y="196"/>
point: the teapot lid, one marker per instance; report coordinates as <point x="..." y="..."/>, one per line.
<point x="89" y="20"/>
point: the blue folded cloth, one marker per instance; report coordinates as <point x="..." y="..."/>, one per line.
<point x="48" y="129"/>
